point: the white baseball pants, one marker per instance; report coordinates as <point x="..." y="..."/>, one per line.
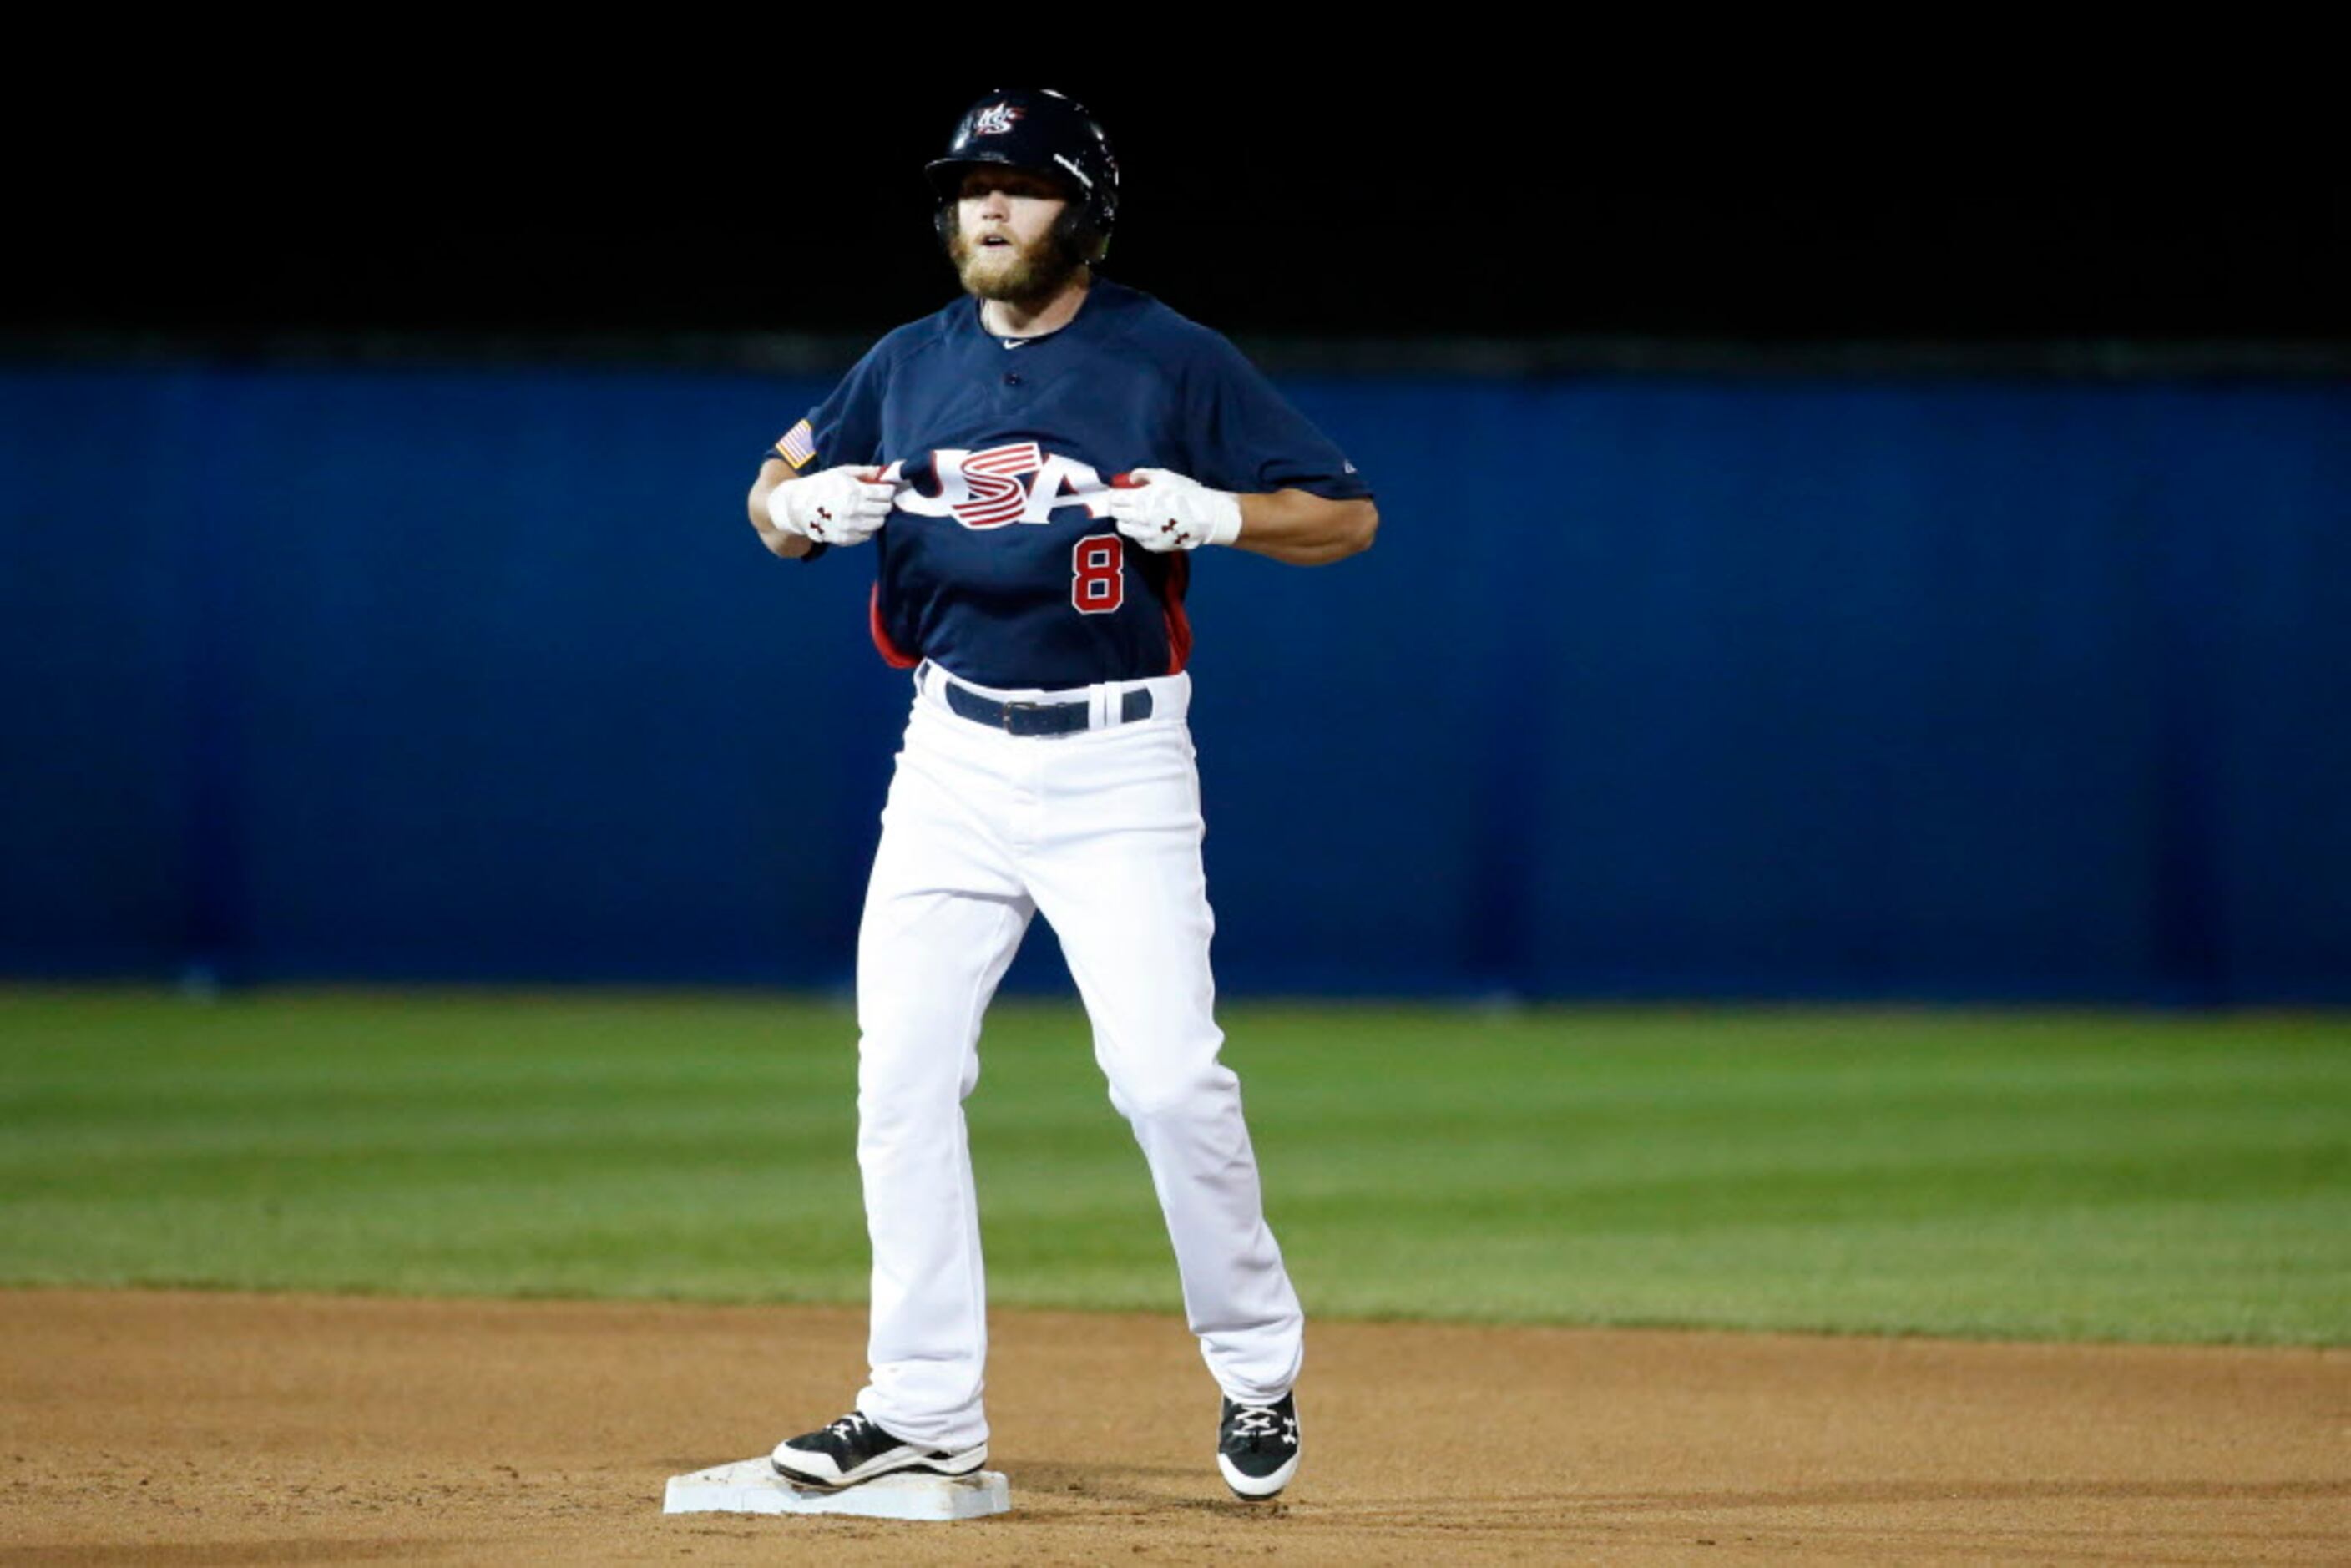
<point x="1102" y="831"/>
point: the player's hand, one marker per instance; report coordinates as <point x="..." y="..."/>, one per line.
<point x="1162" y="510"/>
<point x="838" y="507"/>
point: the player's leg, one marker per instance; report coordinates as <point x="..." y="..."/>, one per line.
<point x="944" y="914"/>
<point x="1120" y="880"/>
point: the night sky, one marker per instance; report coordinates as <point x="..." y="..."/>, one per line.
<point x="1330" y="216"/>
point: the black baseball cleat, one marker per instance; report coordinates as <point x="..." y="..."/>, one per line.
<point x="1257" y="1446"/>
<point x="854" y="1449"/>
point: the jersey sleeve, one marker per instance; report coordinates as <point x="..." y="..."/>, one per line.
<point x="844" y="428"/>
<point x="1246" y="437"/>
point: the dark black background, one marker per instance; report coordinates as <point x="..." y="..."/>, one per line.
<point x="1338" y="210"/>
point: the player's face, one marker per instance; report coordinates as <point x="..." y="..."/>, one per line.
<point x="1003" y="242"/>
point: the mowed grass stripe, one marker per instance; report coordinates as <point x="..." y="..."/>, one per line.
<point x="2046" y="1174"/>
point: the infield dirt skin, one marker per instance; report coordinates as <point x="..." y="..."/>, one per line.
<point x="184" y="1429"/>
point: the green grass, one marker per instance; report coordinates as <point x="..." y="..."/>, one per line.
<point x="2040" y="1175"/>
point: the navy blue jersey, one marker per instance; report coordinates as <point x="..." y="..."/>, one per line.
<point x="1000" y="560"/>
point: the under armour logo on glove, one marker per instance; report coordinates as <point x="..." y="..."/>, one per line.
<point x="1162" y="510"/>
<point x="842" y="505"/>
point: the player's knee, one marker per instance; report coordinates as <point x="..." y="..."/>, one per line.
<point x="1174" y="1096"/>
<point x="895" y="1092"/>
<point x="889" y="1119"/>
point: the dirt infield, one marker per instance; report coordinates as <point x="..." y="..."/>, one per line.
<point x="189" y="1428"/>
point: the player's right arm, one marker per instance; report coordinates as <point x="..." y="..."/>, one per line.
<point x="841" y="506"/>
<point x="774" y="473"/>
<point x="799" y="508"/>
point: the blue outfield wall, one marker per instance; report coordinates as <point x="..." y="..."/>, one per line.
<point x="1939" y="689"/>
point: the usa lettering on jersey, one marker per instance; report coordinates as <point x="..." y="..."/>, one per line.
<point x="1019" y="483"/>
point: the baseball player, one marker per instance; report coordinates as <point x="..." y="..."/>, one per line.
<point x="1033" y="467"/>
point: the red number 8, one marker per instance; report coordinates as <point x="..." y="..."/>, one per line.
<point x="1099" y="583"/>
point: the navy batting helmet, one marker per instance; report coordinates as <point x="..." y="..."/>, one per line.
<point x="1041" y="129"/>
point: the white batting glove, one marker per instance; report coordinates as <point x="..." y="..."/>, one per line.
<point x="1162" y="511"/>
<point x="838" y="507"/>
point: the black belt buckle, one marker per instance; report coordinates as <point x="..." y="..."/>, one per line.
<point x="1028" y="719"/>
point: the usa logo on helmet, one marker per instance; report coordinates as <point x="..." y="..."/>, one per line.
<point x="994" y="119"/>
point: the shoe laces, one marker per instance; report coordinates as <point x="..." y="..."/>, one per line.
<point x="1255" y="1421"/>
<point x="846" y="1428"/>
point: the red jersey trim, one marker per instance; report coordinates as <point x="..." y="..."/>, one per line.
<point x="892" y="655"/>
<point x="1179" y="625"/>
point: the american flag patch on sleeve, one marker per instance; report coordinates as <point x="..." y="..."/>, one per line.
<point x="799" y="445"/>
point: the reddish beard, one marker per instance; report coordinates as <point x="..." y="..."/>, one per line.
<point x="1036" y="272"/>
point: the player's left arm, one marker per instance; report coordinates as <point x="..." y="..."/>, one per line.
<point x="1306" y="529"/>
<point x="1163" y="510"/>
<point x="1255" y="472"/>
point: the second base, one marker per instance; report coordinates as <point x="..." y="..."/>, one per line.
<point x="752" y="1486"/>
